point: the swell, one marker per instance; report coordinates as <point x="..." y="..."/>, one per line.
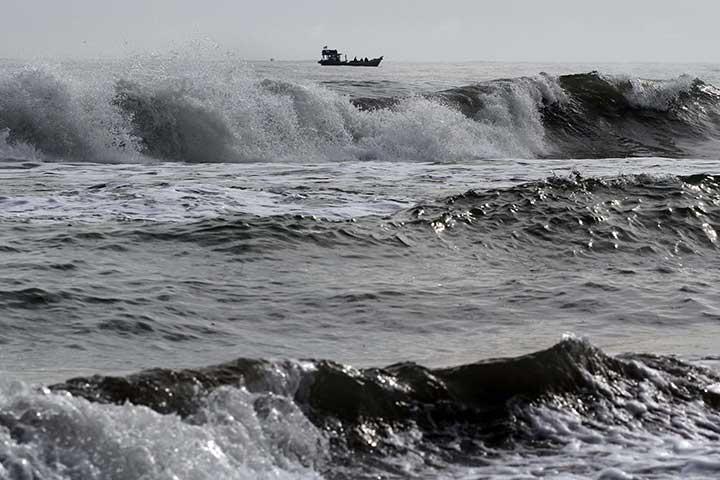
<point x="216" y="119"/>
<point x="635" y="214"/>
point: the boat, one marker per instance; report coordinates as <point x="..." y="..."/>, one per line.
<point x="334" y="58"/>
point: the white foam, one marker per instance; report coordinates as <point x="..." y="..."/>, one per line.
<point x="71" y="115"/>
<point x="62" y="437"/>
<point x="67" y="119"/>
<point x="653" y="94"/>
<point x="15" y="150"/>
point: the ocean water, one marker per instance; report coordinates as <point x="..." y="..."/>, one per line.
<point x="219" y="269"/>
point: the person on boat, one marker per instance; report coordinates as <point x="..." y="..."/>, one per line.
<point x="366" y="60"/>
<point x="355" y="60"/>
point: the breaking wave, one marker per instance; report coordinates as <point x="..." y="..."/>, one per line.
<point x="598" y="116"/>
<point x="288" y="419"/>
<point x="220" y="119"/>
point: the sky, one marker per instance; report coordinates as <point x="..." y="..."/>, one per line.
<point x="401" y="30"/>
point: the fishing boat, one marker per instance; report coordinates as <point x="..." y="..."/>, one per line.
<point x="334" y="58"/>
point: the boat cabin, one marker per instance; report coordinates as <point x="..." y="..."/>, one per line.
<point x="331" y="55"/>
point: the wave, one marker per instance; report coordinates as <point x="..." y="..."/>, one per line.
<point x="592" y="115"/>
<point x="43" y="117"/>
<point x="219" y="119"/>
<point x="629" y="217"/>
<point x="338" y="420"/>
<point x="633" y="215"/>
<point x="640" y="214"/>
<point x="170" y="125"/>
<point x="598" y="116"/>
<point x="627" y="117"/>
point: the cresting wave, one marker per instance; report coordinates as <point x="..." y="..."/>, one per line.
<point x="219" y="119"/>
<point x="285" y="419"/>
<point x="597" y="116"/>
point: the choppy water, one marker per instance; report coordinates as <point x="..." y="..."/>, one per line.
<point x="214" y="269"/>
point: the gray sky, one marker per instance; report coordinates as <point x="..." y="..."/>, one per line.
<point x="416" y="30"/>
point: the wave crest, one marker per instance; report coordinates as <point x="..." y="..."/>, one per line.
<point x="41" y="113"/>
<point x="172" y="125"/>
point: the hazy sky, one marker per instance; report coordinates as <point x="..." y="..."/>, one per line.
<point x="454" y="30"/>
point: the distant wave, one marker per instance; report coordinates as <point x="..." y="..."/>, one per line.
<point x="573" y="116"/>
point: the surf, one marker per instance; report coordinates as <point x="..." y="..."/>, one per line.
<point x="204" y="118"/>
<point x="252" y="418"/>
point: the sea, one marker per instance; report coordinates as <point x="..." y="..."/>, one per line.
<point x="214" y="268"/>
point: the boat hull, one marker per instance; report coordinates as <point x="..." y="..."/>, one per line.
<point x="352" y="63"/>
